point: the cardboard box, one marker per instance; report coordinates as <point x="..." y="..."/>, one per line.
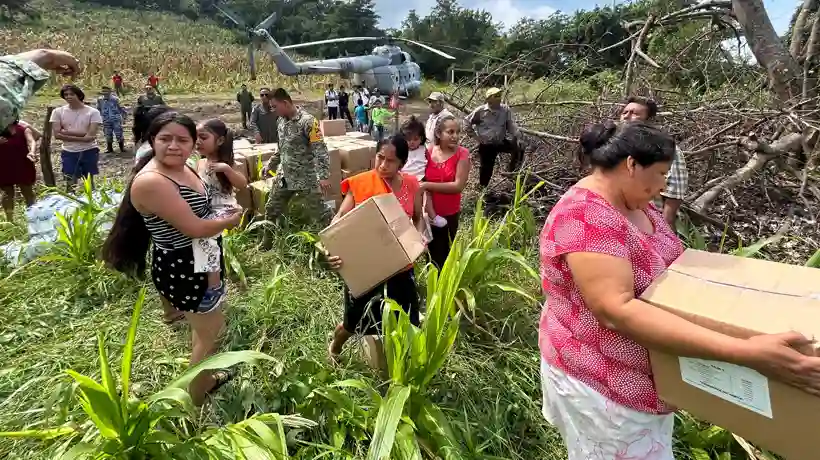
<point x="740" y="297"/>
<point x="375" y="241"/>
<point x="239" y="144"/>
<point x="257" y="154"/>
<point x="358" y="158"/>
<point x="335" y="177"/>
<point x="358" y="135"/>
<point x="333" y="127"/>
<point x="260" y="190"/>
<point x="244" y="197"/>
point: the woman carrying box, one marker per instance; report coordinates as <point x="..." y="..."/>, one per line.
<point x="363" y="315"/>
<point x="603" y="244"/>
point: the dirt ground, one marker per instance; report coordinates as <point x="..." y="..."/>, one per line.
<point x="198" y="107"/>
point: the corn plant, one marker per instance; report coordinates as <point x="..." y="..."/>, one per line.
<point x="79" y="234"/>
<point x="122" y="427"/>
<point x="231" y="252"/>
<point x="518" y="224"/>
<point x="814" y="261"/>
<point x="314" y="245"/>
<point x="274" y="286"/>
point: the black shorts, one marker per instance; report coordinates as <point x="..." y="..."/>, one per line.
<point x="364" y="315"/>
<point x="173" y="275"/>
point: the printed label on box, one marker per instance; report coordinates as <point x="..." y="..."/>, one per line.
<point x="737" y="384"/>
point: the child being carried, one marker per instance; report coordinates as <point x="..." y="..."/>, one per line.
<point x="215" y="145"/>
<point x="413" y="132"/>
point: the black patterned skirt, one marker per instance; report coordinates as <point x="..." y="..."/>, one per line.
<point x="364" y="315"/>
<point x="173" y="274"/>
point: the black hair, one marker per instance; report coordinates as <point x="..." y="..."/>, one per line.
<point x="74" y="89"/>
<point x="281" y="95"/>
<point x="359" y="101"/>
<point x="143" y="117"/>
<point x="650" y="104"/>
<point x="224" y="152"/>
<point x="606" y="145"/>
<point x="414" y="127"/>
<point x="126" y="246"/>
<point x="107" y="87"/>
<point x="440" y="126"/>
<point x="399" y="143"/>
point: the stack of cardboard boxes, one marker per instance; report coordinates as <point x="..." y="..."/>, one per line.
<point x="349" y="153"/>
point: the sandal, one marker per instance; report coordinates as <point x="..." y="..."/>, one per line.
<point x="221" y="377"/>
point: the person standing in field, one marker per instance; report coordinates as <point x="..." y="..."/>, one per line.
<point x="495" y="128"/>
<point x="150" y="98"/>
<point x="380" y="117"/>
<point x="363" y="315"/>
<point x="166" y="205"/>
<point x="677" y="180"/>
<point x="113" y="116"/>
<point x="344" y="106"/>
<point x="76" y="125"/>
<point x="445" y="176"/>
<point x="602" y="246"/>
<point x="437" y="111"/>
<point x="22" y="75"/>
<point x="144" y="103"/>
<point x="153" y="81"/>
<point x="263" y="119"/>
<point x="301" y="159"/>
<point x="116" y="79"/>
<point x="18" y="151"/>
<point x="245" y="100"/>
<point x="332" y="102"/>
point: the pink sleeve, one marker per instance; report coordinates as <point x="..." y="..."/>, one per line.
<point x="584" y="226"/>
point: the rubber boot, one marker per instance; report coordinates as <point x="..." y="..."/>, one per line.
<point x="110" y="146"/>
<point x="122" y="146"/>
<point x="267" y="240"/>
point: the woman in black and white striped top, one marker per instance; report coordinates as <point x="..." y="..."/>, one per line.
<point x="166" y="204"/>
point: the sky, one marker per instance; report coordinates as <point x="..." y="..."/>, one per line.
<point x="392" y="12"/>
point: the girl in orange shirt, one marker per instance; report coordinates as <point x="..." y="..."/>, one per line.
<point x="363" y="315"/>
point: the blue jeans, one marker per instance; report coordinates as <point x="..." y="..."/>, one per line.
<point x="80" y="164"/>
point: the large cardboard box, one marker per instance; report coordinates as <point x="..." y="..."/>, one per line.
<point x="333" y="127"/>
<point x="241" y="143"/>
<point x="335" y="177"/>
<point x="741" y="297"/>
<point x="253" y="156"/>
<point x="357" y="158"/>
<point x="358" y="135"/>
<point x="375" y="241"/>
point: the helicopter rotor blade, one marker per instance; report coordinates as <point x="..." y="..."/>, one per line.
<point x="427" y="47"/>
<point x="233" y="17"/>
<point x="268" y="22"/>
<point x="334" y="40"/>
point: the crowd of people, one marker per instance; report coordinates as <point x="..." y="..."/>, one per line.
<point x="602" y="244"/>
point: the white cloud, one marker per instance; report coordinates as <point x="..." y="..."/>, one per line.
<point x="507" y="12"/>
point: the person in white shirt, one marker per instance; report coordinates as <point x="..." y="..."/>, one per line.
<point x="76" y="125"/>
<point x="437" y="111"/>
<point x="416" y="164"/>
<point x="332" y="101"/>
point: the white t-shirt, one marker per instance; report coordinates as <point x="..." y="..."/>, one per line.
<point x="416" y="162"/>
<point x="332" y="98"/>
<point x="76" y="121"/>
<point x="375" y="98"/>
<point x="430" y="126"/>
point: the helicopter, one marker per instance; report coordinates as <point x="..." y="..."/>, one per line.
<point x="388" y="68"/>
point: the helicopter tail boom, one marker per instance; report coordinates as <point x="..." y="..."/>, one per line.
<point x="282" y="61"/>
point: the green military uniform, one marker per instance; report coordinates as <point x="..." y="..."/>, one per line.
<point x="245" y="100"/>
<point x="19" y="80"/>
<point x="301" y="159"/>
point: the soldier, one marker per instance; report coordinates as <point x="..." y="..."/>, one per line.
<point x="21" y="75"/>
<point x="302" y="158"/>
<point x="245" y="100"/>
<point x="263" y="119"/>
<point x="113" y="115"/>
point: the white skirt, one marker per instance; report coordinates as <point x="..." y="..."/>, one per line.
<point x="595" y="428"/>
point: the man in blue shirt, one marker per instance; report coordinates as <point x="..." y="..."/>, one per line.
<point x="113" y="115"/>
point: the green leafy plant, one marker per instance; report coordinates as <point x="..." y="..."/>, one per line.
<point x="119" y="426"/>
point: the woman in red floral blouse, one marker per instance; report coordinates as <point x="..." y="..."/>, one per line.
<point x="602" y="245"/>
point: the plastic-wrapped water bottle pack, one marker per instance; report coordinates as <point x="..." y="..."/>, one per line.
<point x="42" y="224"/>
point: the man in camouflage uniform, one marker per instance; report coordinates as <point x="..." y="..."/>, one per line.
<point x="301" y="159"/>
<point x="21" y="75"/>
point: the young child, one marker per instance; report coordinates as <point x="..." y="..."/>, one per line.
<point x="380" y="117"/>
<point x="215" y="144"/>
<point x="414" y="132"/>
<point x="361" y="116"/>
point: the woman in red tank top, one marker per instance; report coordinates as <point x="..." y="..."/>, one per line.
<point x="446" y="174"/>
<point x="18" y="153"/>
